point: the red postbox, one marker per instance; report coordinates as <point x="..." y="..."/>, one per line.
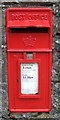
<point x="29" y="53"/>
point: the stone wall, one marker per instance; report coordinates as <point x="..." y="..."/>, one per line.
<point x="55" y="83"/>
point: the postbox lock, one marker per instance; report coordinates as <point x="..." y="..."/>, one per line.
<point x="17" y="80"/>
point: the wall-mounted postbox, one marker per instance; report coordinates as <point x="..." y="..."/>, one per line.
<point x="29" y="52"/>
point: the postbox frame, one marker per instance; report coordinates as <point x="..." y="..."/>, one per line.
<point x="19" y="76"/>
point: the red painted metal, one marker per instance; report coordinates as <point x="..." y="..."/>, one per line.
<point x="29" y="30"/>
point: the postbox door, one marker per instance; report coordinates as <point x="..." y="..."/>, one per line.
<point x="39" y="101"/>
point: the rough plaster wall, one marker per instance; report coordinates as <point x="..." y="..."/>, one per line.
<point x="0" y="60"/>
<point x="55" y="111"/>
